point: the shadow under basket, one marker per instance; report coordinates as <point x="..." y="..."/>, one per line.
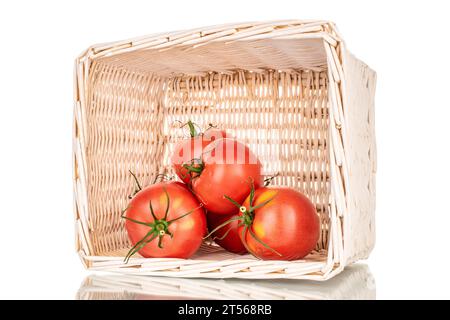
<point x="288" y="89"/>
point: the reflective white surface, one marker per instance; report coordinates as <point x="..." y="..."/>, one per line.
<point x="356" y="282"/>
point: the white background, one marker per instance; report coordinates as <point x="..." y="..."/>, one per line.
<point x="406" y="42"/>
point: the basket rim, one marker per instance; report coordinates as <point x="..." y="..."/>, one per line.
<point x="337" y="257"/>
<point x="239" y="31"/>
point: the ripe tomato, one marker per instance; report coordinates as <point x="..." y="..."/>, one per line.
<point x="165" y="220"/>
<point x="228" y="168"/>
<point x="189" y="151"/>
<point x="279" y="224"/>
<point x="228" y="236"/>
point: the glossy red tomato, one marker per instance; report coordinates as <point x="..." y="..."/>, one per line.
<point x="189" y="151"/>
<point x="228" y="236"/>
<point x="228" y="169"/>
<point x="165" y="220"/>
<point x="284" y="225"/>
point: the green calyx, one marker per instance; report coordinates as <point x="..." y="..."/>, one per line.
<point x="195" y="165"/>
<point x="246" y="218"/>
<point x="158" y="228"/>
<point x="193" y="168"/>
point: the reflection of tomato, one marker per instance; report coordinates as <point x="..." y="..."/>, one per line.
<point x="189" y="151"/>
<point x="228" y="168"/>
<point x="285" y="220"/>
<point x="176" y="227"/>
<point x="227" y="237"/>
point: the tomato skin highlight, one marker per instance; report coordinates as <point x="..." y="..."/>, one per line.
<point x="230" y="167"/>
<point x="192" y="148"/>
<point x="288" y="224"/>
<point x="188" y="231"/>
<point x="232" y="241"/>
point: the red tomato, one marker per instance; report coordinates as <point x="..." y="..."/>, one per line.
<point x="228" y="236"/>
<point x="165" y="220"/>
<point x="189" y="151"/>
<point x="228" y="168"/>
<point x="284" y="220"/>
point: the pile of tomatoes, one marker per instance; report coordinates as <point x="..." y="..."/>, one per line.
<point x="222" y="191"/>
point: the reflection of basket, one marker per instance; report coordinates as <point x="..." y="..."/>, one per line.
<point x="356" y="282"/>
<point x="289" y="89"/>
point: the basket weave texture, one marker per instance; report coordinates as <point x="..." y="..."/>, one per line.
<point x="289" y="89"/>
<point x="354" y="283"/>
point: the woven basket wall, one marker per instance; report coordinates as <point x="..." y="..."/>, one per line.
<point x="289" y="89"/>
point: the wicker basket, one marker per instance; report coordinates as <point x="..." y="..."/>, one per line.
<point x="356" y="282"/>
<point x="289" y="89"/>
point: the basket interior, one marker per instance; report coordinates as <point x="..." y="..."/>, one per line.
<point x="278" y="105"/>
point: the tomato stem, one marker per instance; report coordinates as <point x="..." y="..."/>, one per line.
<point x="233" y="201"/>
<point x="163" y="176"/>
<point x="210" y="126"/>
<point x="137" y="185"/>
<point x="224" y="235"/>
<point x="152" y="212"/>
<point x="136" y="221"/>
<point x="253" y="208"/>
<point x="161" y="235"/>
<point x="243" y="239"/>
<point x="139" y="245"/>
<point x="246" y="218"/>
<point x="192" y="129"/>
<point x="168" y="203"/>
<point x="195" y="165"/>
<point x="252" y="190"/>
<point x="223" y="225"/>
<point x="262" y="243"/>
<point x="268" y="180"/>
<point x="158" y="228"/>
<point x="184" y="215"/>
